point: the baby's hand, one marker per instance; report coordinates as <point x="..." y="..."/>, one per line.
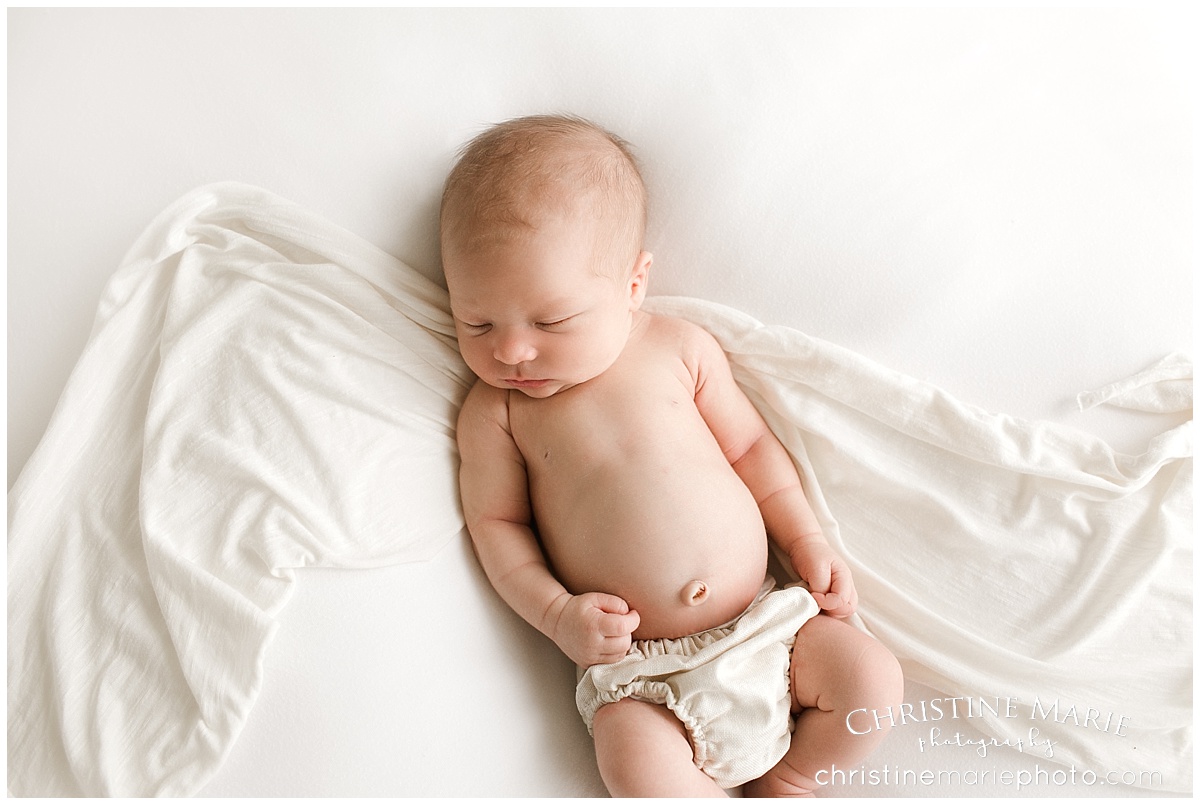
<point x="594" y="628"/>
<point x="828" y="578"/>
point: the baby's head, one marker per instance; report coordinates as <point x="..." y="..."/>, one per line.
<point x="542" y="227"/>
<point x="516" y="176"/>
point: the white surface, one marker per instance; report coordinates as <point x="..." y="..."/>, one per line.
<point x="997" y="202"/>
<point x="263" y="391"/>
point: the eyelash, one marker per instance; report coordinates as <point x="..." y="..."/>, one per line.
<point x="480" y="329"/>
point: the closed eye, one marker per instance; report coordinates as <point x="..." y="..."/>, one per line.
<point x="557" y="324"/>
<point x="475" y="329"/>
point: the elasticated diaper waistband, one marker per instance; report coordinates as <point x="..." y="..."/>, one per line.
<point x="691" y="644"/>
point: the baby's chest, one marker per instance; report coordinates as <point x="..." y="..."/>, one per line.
<point x="615" y="416"/>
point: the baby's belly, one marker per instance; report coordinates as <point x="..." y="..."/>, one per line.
<point x="681" y="541"/>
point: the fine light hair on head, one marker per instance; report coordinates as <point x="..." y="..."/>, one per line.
<point x="522" y="171"/>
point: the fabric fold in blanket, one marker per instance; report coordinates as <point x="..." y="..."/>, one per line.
<point x="1022" y="564"/>
<point x="261" y="392"/>
<point x="264" y="391"/>
<point x="1162" y="388"/>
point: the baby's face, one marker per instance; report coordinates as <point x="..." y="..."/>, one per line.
<point x="533" y="314"/>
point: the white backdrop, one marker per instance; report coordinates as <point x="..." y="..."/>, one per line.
<point x="996" y="201"/>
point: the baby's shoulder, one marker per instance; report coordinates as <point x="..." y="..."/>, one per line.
<point x="484" y="403"/>
<point x="695" y="348"/>
<point x="690" y="340"/>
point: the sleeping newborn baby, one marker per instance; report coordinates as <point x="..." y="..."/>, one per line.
<point x="620" y="488"/>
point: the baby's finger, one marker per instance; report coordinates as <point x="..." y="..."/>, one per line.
<point x="616" y="647"/>
<point x="610" y="603"/>
<point x="619" y="625"/>
<point x="818" y="578"/>
<point x="828" y="601"/>
<point x="840" y="582"/>
<point x="835" y="605"/>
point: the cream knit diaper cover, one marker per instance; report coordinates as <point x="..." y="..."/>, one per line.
<point x="729" y="685"/>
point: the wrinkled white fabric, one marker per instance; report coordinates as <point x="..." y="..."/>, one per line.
<point x="264" y="391"/>
<point x="997" y="557"/>
<point x="261" y="391"/>
<point x="1162" y="388"/>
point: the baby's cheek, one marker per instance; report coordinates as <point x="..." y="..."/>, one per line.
<point x="474" y="357"/>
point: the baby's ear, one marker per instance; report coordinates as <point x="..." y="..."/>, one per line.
<point x="638" y="279"/>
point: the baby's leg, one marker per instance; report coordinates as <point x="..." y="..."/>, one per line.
<point x="836" y="669"/>
<point x="643" y="751"/>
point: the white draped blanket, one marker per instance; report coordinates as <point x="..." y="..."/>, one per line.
<point x="264" y="391"/>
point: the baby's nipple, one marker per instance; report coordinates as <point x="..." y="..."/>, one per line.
<point x="694" y="593"/>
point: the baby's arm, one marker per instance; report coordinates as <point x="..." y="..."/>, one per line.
<point x="590" y="628"/>
<point x="767" y="470"/>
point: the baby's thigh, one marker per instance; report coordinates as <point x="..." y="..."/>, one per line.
<point x="643" y="750"/>
<point x="634" y="727"/>
<point x="835" y="666"/>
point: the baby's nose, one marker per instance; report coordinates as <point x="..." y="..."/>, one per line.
<point x="513" y="348"/>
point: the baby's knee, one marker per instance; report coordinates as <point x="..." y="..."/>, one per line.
<point x="880" y="680"/>
<point x="875" y="685"/>
<point x="836" y="667"/>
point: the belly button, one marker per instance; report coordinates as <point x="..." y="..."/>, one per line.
<point x="694" y="592"/>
